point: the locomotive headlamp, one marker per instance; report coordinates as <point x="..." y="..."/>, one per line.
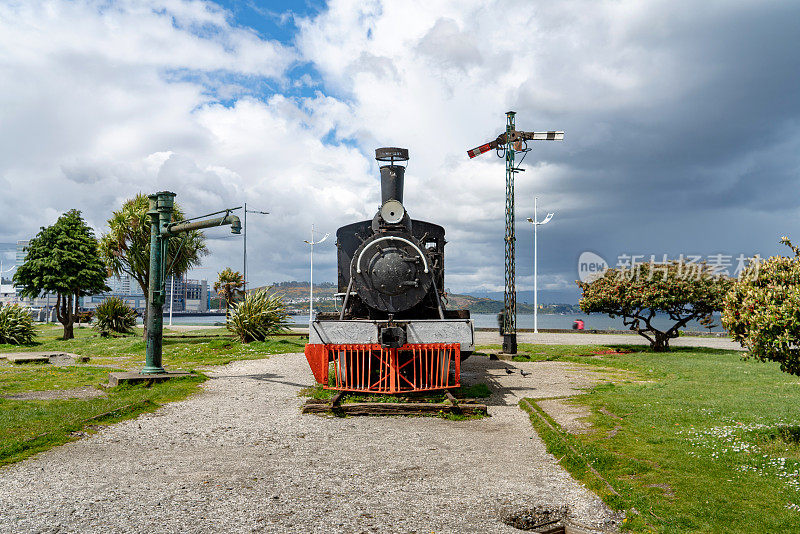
<point x="392" y="211"/>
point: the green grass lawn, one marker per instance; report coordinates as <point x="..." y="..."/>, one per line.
<point x="28" y="426"/>
<point x="183" y="349"/>
<point x="695" y="440"/>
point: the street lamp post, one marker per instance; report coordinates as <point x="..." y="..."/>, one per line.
<point x="536" y="223"/>
<point x="244" y="256"/>
<point x="311" y="283"/>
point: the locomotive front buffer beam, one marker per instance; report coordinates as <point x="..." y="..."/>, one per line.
<point x="371" y="356"/>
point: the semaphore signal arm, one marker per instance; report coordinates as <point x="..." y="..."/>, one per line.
<point x="514" y="136"/>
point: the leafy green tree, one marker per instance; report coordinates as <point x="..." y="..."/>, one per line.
<point x="762" y="310"/>
<point x="229" y="286"/>
<point x="682" y="291"/>
<point x="63" y="259"/>
<point x="126" y="247"/>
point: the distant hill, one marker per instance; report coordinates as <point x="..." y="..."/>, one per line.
<point x="295" y="294"/>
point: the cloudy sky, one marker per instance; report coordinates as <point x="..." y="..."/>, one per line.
<point x="682" y="123"/>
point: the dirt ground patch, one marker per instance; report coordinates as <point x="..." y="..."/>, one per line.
<point x="571" y="417"/>
<point x="548" y="382"/>
<point x="55" y="394"/>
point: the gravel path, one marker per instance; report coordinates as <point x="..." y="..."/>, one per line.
<point x="239" y="457"/>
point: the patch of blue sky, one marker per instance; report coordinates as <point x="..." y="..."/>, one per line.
<point x="226" y="87"/>
<point x="304" y="80"/>
<point x="205" y="30"/>
<point x="333" y="138"/>
<point x="270" y="19"/>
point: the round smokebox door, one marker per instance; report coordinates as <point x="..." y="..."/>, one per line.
<point x="390" y="271"/>
<point x="392" y="211"/>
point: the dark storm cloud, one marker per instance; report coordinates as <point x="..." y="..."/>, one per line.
<point x="734" y="108"/>
<point x="703" y="169"/>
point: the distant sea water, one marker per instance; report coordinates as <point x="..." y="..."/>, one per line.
<point x="489" y="320"/>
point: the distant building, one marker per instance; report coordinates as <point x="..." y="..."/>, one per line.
<point x="187" y="295"/>
<point x="8" y="294"/>
<point x="124" y="287"/>
<point x="21" y="252"/>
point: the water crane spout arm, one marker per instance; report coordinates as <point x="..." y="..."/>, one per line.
<point x="185" y="226"/>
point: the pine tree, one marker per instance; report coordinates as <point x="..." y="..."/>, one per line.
<point x="63" y="259"/>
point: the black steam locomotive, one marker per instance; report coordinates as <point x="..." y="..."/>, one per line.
<point x="393" y="332"/>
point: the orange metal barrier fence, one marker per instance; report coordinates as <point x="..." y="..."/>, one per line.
<point x="376" y="369"/>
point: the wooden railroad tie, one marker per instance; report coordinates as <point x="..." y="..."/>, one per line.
<point x="454" y="406"/>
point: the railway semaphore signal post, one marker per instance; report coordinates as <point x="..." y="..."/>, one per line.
<point x="506" y="145"/>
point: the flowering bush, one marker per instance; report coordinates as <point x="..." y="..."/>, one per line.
<point x="762" y="310"/>
<point x="680" y="290"/>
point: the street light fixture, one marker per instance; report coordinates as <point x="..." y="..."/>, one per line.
<point x="536" y="223"/>
<point x="311" y="283"/>
<point x="244" y="259"/>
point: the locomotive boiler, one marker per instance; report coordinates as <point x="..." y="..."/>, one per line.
<point x="394" y="333"/>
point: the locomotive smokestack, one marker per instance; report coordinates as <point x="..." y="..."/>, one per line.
<point x="392" y="175"/>
<point x="392" y="183"/>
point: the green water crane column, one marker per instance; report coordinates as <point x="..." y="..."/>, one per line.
<point x="162" y="228"/>
<point x="160" y="213"/>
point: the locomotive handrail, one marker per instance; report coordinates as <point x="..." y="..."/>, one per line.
<point x="404" y="240"/>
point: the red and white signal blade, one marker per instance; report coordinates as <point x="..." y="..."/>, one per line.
<point x="481" y="149"/>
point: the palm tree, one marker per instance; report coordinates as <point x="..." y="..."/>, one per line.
<point x="229" y="286"/>
<point x="126" y="247"/>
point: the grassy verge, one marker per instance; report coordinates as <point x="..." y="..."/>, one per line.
<point x="696" y="440"/>
<point x="31" y="426"/>
<point x="204" y="347"/>
<point x="36" y="413"/>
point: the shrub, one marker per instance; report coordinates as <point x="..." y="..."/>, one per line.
<point x="259" y="315"/>
<point x="680" y="290"/>
<point x="762" y="310"/>
<point x="84" y="317"/>
<point x="16" y="325"/>
<point x="113" y="315"/>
